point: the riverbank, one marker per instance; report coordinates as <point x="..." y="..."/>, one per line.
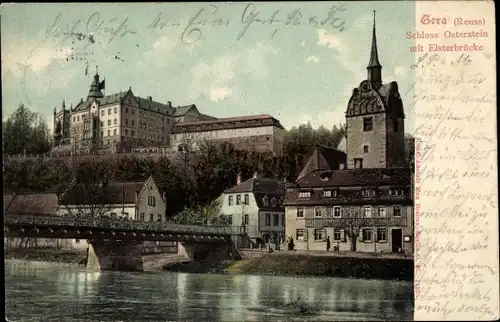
<point x="47" y="255"/>
<point x="306" y="265"/>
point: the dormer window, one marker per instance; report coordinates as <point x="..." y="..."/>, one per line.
<point x="368" y="193"/>
<point x="273" y="202"/>
<point x="327" y="193"/>
<point x="396" y="192"/>
<point x="281" y="201"/>
<point x="305" y="194"/>
<point x="265" y="200"/>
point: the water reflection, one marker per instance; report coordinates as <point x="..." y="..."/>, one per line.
<point x="62" y="293"/>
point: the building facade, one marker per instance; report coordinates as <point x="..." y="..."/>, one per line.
<point x="128" y="200"/>
<point x="258" y="205"/>
<point x="118" y="122"/>
<point x="259" y="133"/>
<point x="362" y="200"/>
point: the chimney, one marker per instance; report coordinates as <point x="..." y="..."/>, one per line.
<point x="255" y="175"/>
<point x="238" y="178"/>
<point x="150" y="98"/>
<point x="169" y="104"/>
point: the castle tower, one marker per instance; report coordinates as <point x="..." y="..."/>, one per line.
<point x="95" y="88"/>
<point x="375" y="119"/>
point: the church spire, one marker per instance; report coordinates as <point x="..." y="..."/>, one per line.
<point x="374" y="68"/>
<point x="96" y="87"/>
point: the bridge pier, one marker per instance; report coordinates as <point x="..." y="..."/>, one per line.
<point x="224" y="250"/>
<point x="114" y="255"/>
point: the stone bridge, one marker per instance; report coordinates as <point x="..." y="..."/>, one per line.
<point x="117" y="244"/>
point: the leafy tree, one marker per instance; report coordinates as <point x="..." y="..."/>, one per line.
<point x="25" y="132"/>
<point x="352" y="222"/>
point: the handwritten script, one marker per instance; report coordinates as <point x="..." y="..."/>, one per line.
<point x="456" y="261"/>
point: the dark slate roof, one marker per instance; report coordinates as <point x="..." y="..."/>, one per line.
<point x="259" y="185"/>
<point x="181" y="110"/>
<point x="83" y="105"/>
<point x="357" y="177"/>
<point x="111" y="193"/>
<point x="112" y="98"/>
<point x="36" y="203"/>
<point x="323" y="158"/>
<point x="147" y="104"/>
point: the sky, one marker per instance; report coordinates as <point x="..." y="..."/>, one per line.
<point x="297" y="61"/>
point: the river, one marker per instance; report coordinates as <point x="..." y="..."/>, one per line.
<point x="38" y="291"/>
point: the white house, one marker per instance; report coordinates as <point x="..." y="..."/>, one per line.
<point x="256" y="204"/>
<point x="140" y="200"/>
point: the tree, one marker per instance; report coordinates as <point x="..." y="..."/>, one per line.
<point x="89" y="195"/>
<point x="25" y="132"/>
<point x="200" y="215"/>
<point x="352" y="222"/>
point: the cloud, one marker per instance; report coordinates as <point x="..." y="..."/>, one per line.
<point x="37" y="58"/>
<point x="214" y="80"/>
<point x="256" y="57"/>
<point x="314" y="59"/>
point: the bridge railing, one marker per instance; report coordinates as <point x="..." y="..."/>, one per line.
<point x="110" y="223"/>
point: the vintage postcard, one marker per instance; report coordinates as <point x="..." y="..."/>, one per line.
<point x="267" y="161"/>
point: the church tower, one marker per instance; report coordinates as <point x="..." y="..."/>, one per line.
<point x="375" y="119"/>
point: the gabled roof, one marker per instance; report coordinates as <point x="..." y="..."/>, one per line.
<point x="112" y="192"/>
<point x="356" y="177"/>
<point x="147" y="104"/>
<point x="323" y="158"/>
<point x="35" y="203"/>
<point x="259" y="185"/>
<point x="182" y="110"/>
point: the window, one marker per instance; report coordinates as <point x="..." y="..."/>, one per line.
<point x="109" y="122"/>
<point x="337" y="211"/>
<point x="158" y="217"/>
<point x="126" y="109"/>
<point x="114" y="120"/>
<point x="381" y="211"/>
<point x="381" y="234"/>
<point x="245" y="220"/>
<point x="282" y="201"/>
<point x="229" y="220"/>
<point x="265" y="201"/>
<point x="305" y="194"/>
<point x="327" y="193"/>
<point x="77" y="241"/>
<point x="368" y="193"/>
<point x="151" y="201"/>
<point x="365" y="148"/>
<point x="273" y="202"/>
<point x="114" y="132"/>
<point x="320" y="234"/>
<point x="396" y="192"/>
<point x="102" y="134"/>
<point x="302" y="234"/>
<point x="238" y="199"/>
<point x="126" y="121"/>
<point x="247" y="199"/>
<point x="268" y="219"/>
<point x="133" y="122"/>
<point x="366" y="235"/>
<point x="132" y="133"/>
<point x="318" y="212"/>
<point x="367" y="211"/>
<point x="276" y="220"/>
<point x="102" y="112"/>
<point x="114" y="110"/>
<point x="358" y="163"/>
<point x="300" y="212"/>
<point x="337" y="234"/>
<point x="397" y="211"/>
<point x="395" y="126"/>
<point x="367" y="124"/>
<point x="141" y="216"/>
<point x="109" y="132"/>
<point x="133" y="112"/>
<point x="230" y="200"/>
<point x="109" y="111"/>
<point x="126" y="131"/>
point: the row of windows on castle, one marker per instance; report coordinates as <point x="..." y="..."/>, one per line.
<point x="142" y="125"/>
<point x="366" y="235"/>
<point x="76" y="118"/>
<point x="246" y="201"/>
<point x="367" y="193"/>
<point x="337" y="211"/>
